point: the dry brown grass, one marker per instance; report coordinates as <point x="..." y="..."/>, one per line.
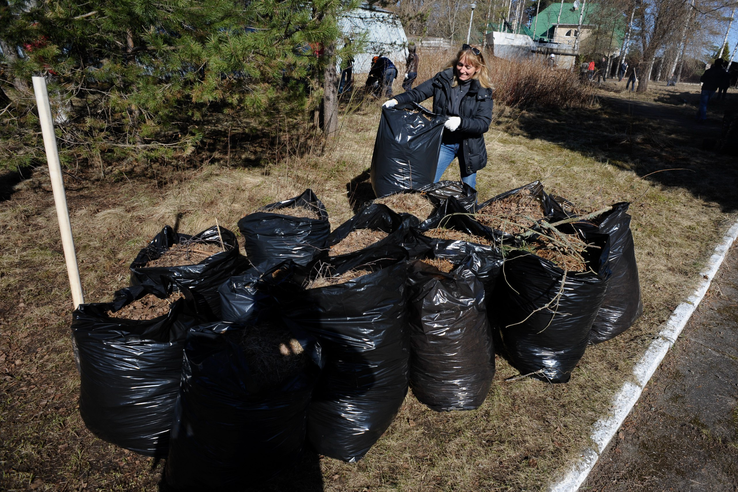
<point x="520" y="439"/>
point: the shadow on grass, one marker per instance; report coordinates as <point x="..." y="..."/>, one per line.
<point x="660" y="141"/>
<point x="9" y="179"/>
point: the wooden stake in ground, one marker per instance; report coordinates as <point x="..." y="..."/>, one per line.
<point x="57" y="184"/>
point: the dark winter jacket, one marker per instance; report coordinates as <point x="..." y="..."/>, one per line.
<point x="711" y="78"/>
<point x="475" y="112"/>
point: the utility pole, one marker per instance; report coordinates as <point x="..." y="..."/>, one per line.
<point x="471" y="18"/>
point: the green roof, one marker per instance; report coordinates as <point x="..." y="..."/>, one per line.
<point x="549" y="16"/>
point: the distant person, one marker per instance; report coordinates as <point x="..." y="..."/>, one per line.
<point x="551" y="61"/>
<point x="672" y="80"/>
<point x="347" y="76"/>
<point x="463" y="93"/>
<point x="591" y="70"/>
<point x="710" y="82"/>
<point x="603" y="69"/>
<point x="623" y="69"/>
<point x="632" y="80"/>
<point x="723" y="84"/>
<point x="381" y="76"/>
<point x="411" y="67"/>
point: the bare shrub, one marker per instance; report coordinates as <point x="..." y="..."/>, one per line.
<point x="529" y="83"/>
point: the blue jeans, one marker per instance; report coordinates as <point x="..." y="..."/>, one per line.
<point x="705" y="96"/>
<point x="389" y="76"/>
<point x="445" y="156"/>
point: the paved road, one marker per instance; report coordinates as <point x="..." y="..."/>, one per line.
<point x="683" y="433"/>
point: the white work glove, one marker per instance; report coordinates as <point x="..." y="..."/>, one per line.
<point x="452" y="123"/>
<point x="390" y="104"/>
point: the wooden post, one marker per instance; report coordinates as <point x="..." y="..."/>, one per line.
<point x="57" y="184"/>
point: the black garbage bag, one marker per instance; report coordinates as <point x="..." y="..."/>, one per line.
<point x="361" y="325"/>
<point x="451" y="352"/>
<point x="406" y="150"/>
<point x="244" y="297"/>
<point x="130" y="371"/>
<point x="239" y="296"/>
<point x="545" y="313"/>
<point x="441" y="191"/>
<point x="622" y="304"/>
<point x="375" y="217"/>
<point x="272" y="238"/>
<point x="201" y="278"/>
<point x="242" y="412"/>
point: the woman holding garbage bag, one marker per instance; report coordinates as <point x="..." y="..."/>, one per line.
<point x="463" y="92"/>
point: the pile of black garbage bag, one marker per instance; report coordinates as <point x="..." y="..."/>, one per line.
<point x="188" y="386"/>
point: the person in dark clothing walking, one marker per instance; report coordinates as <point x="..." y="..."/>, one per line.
<point x="623" y="69"/>
<point x="347" y="76"/>
<point x="710" y="82"/>
<point x="411" y="68"/>
<point x="633" y="79"/>
<point x="463" y="93"/>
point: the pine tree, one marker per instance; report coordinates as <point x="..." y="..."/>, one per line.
<point x="150" y="71"/>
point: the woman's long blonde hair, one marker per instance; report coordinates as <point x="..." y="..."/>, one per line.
<point x="474" y="57"/>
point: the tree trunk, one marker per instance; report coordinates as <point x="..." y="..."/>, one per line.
<point x="646" y="74"/>
<point x="330" y="93"/>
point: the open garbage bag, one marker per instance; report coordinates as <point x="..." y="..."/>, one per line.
<point x="242" y="411"/>
<point x="406" y="150"/>
<point x="130" y="371"/>
<point x="202" y="277"/>
<point x="545" y="313"/>
<point x="443" y="190"/>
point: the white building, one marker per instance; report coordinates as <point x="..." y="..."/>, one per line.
<point x="382" y="31"/>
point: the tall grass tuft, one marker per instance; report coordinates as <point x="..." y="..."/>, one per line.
<point x="529" y="83"/>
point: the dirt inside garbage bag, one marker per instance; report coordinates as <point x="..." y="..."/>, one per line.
<point x="454" y="235"/>
<point x="412" y="203"/>
<point x="324" y="280"/>
<point x="357" y="240"/>
<point x="565" y="251"/>
<point x="147" y="308"/>
<point x="295" y="211"/>
<point x="514" y="214"/>
<point x="186" y="253"/>
<point x="440" y="263"/>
